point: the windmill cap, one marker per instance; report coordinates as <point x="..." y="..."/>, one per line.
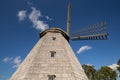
<point x="55" y="30"/>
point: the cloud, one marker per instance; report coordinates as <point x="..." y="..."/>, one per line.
<point x="14" y="61"/>
<point x="48" y="18"/>
<point x="34" y="17"/>
<point x="7" y="59"/>
<point x="37" y="23"/>
<point x="28" y="2"/>
<point x="113" y="67"/>
<point x="89" y="64"/>
<point x="17" y="61"/>
<point x="22" y="15"/>
<point x="84" y="48"/>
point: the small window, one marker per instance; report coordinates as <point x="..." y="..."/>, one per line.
<point x="52" y="53"/>
<point x="54" y="38"/>
<point x="51" y="77"/>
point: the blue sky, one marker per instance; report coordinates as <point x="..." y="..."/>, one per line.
<point x="19" y="35"/>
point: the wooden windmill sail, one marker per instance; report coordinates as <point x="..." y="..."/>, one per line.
<point x="68" y="19"/>
<point x="52" y="58"/>
<point x="96" y="31"/>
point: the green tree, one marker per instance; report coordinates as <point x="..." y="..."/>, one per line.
<point x="118" y="68"/>
<point x="90" y="71"/>
<point x="118" y="62"/>
<point x="106" y="73"/>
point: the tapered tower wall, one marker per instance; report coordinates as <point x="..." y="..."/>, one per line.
<point x="40" y="63"/>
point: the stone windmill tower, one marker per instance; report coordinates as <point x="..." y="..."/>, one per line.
<point x="52" y="58"/>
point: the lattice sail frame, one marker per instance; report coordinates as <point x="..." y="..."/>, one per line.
<point x="96" y="31"/>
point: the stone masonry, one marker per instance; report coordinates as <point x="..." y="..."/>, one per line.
<point x="51" y="58"/>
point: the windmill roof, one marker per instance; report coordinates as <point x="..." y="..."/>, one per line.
<point x="55" y="30"/>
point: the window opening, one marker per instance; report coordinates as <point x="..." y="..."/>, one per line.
<point x="52" y="53"/>
<point x="51" y="77"/>
<point x="54" y="38"/>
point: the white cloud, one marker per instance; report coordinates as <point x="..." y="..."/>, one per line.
<point x="14" y="61"/>
<point x="28" y="2"/>
<point x="37" y="23"/>
<point x="22" y="15"/>
<point x="17" y="61"/>
<point x="34" y="17"/>
<point x="48" y="18"/>
<point x="89" y="64"/>
<point x="113" y="67"/>
<point x="84" y="48"/>
<point x="7" y="59"/>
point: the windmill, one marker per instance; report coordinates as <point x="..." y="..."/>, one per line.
<point x="52" y="58"/>
<point x="96" y="31"/>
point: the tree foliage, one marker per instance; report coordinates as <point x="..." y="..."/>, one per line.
<point x="118" y="68"/>
<point x="90" y="71"/>
<point x="104" y="73"/>
<point x="118" y="62"/>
